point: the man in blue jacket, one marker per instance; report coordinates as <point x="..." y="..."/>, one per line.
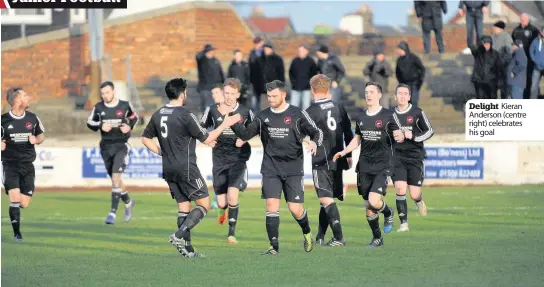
<point x="537" y="55"/>
<point x="516" y="74"/>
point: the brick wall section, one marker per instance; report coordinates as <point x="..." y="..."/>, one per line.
<point x="160" y="46"/>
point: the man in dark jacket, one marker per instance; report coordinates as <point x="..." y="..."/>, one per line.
<point x="378" y="70"/>
<point x="239" y="69"/>
<point x="302" y="69"/>
<point x="487" y="69"/>
<point x="475" y="11"/>
<point x="527" y="33"/>
<point x="430" y="14"/>
<point x="256" y="73"/>
<point x="330" y="65"/>
<point x="273" y="67"/>
<point x="502" y="43"/>
<point x="516" y="74"/>
<point x="209" y="74"/>
<point x="409" y="71"/>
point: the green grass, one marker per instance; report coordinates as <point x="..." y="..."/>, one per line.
<point x="472" y="236"/>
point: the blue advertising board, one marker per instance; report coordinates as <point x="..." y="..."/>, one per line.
<point x="141" y="164"/>
<point x="454" y="163"/>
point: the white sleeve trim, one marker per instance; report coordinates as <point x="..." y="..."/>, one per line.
<point x="427" y="134"/>
<point x="90" y="119"/>
<point x="320" y="139"/>
<point x="198" y="124"/>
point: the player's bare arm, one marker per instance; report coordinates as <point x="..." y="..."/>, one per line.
<point x="151" y="145"/>
<point x="228" y="121"/>
<point x="355" y="143"/>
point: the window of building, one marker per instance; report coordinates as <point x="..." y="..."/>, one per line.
<point x="26" y="16"/>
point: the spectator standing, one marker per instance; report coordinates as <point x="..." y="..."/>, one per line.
<point x="430" y="15"/>
<point x="302" y="69"/>
<point x="475" y="11"/>
<point x="273" y="67"/>
<point x="256" y="73"/>
<point x="410" y="71"/>
<point x="239" y="69"/>
<point x="378" y="70"/>
<point x="517" y="71"/>
<point x="527" y="33"/>
<point x="537" y="55"/>
<point x="330" y="65"/>
<point x="502" y="43"/>
<point x="209" y="74"/>
<point x="487" y="69"/>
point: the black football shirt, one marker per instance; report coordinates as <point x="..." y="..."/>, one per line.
<point x="15" y="131"/>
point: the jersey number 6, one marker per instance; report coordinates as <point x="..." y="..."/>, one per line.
<point x="331" y="122"/>
<point x="164" y="133"/>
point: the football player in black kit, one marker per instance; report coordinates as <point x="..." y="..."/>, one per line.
<point x="408" y="168"/>
<point x="115" y="119"/>
<point x="282" y="129"/>
<point x="375" y="130"/>
<point x="230" y="155"/>
<point x="177" y="130"/>
<point x="21" y="131"/>
<point x="333" y="120"/>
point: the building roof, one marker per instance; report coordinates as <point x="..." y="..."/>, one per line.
<point x="269" y="25"/>
<point x="393" y="30"/>
<point x="535" y="9"/>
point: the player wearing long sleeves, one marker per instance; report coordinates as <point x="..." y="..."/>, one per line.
<point x="177" y="130"/>
<point x="115" y="119"/>
<point x="230" y="155"/>
<point x="375" y="131"/>
<point x="21" y="132"/>
<point x="282" y="128"/>
<point x="408" y="171"/>
<point x="333" y="120"/>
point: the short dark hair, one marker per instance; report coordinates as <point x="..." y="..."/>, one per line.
<point x="218" y="86"/>
<point x="403" y="86"/>
<point x="236" y="51"/>
<point x="276" y="84"/>
<point x="175" y="87"/>
<point x="378" y="86"/>
<point x="107" y="83"/>
<point x="12" y="94"/>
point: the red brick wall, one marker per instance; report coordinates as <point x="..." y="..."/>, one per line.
<point x="160" y="46"/>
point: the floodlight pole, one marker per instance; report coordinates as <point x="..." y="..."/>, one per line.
<point x="96" y="46"/>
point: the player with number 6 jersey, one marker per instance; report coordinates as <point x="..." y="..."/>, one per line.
<point x="177" y="130"/>
<point x="333" y="120"/>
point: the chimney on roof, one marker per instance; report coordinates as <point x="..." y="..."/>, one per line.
<point x="413" y="21"/>
<point x="366" y="12"/>
<point x="257" y="11"/>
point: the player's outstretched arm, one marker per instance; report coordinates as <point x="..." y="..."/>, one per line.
<point x="426" y="129"/>
<point x="132" y="116"/>
<point x="355" y="142"/>
<point x="93" y="122"/>
<point x="246" y="133"/>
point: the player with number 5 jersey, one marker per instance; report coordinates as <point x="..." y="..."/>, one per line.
<point x="177" y="130"/>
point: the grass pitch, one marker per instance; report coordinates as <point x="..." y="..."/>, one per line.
<point x="472" y="236"/>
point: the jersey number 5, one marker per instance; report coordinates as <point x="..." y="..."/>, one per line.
<point x="164" y="133"/>
<point x="331" y="122"/>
